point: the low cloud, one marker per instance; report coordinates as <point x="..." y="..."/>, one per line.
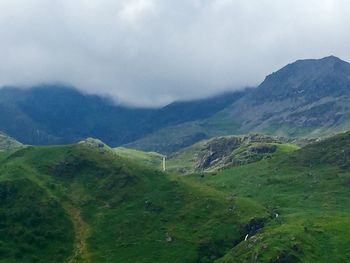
<point x="151" y="52"/>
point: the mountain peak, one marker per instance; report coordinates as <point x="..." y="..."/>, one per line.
<point x="331" y="58"/>
<point x="326" y="63"/>
<point x="313" y="77"/>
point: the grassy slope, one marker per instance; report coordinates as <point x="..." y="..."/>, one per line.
<point x="308" y="189"/>
<point x="120" y="211"/>
<point x="184" y="160"/>
<point x="150" y="159"/>
<point x="33" y="225"/>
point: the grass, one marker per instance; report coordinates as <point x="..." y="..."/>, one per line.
<point x="151" y="159"/>
<point x="33" y="226"/>
<point x="184" y="160"/>
<point x="114" y="210"/>
<point x="313" y="220"/>
<point x="77" y="203"/>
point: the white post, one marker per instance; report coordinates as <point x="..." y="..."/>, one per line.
<point x="164" y="165"/>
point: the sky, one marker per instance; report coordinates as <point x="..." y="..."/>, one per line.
<point x="152" y="52"/>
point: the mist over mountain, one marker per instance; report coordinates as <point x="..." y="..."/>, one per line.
<point x="59" y="114"/>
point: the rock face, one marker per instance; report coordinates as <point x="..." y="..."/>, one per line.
<point x="234" y="150"/>
<point x="217" y="150"/>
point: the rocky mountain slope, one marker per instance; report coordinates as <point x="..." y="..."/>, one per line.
<point x="308" y="98"/>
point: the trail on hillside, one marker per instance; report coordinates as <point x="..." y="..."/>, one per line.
<point x="81" y="230"/>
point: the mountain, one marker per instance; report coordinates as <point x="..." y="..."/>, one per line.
<point x="57" y="114"/>
<point x="308" y="98"/>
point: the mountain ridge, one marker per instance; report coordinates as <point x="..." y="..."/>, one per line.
<point x="307" y="98"/>
<point x="58" y="114"/>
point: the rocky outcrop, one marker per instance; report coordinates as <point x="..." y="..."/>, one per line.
<point x="95" y="144"/>
<point x="7" y="143"/>
<point x="234" y="150"/>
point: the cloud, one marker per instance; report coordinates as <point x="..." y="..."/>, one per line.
<point x="132" y="12"/>
<point x="150" y="52"/>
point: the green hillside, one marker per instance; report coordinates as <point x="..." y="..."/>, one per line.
<point x="80" y="204"/>
<point x="306" y="192"/>
<point x="85" y="203"/>
<point x="149" y="159"/>
<point x="33" y="225"/>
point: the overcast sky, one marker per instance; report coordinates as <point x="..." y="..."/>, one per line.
<point x="150" y="52"/>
